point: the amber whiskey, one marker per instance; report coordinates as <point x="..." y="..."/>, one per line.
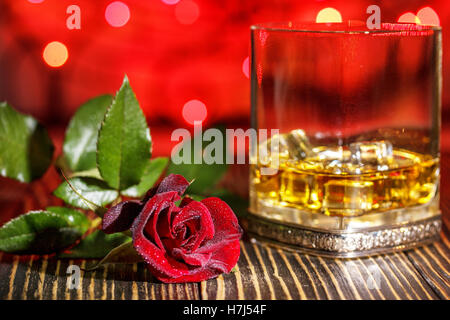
<point x="360" y="178"/>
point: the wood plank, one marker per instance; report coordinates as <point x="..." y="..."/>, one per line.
<point x="433" y="263"/>
<point x="266" y="272"/>
<point x="263" y="272"/>
<point x="32" y="277"/>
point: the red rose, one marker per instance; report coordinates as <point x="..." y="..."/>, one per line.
<point x="193" y="242"/>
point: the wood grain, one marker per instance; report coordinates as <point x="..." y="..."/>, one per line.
<point x="30" y="278"/>
<point x="272" y="273"/>
<point x="263" y="272"/>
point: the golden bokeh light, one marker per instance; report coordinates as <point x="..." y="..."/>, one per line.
<point x="328" y="15"/>
<point x="55" y="54"/>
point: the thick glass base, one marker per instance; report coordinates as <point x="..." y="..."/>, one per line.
<point x="344" y="237"/>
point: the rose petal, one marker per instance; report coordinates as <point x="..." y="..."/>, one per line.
<point x="225" y="259"/>
<point x="226" y="224"/>
<point x="216" y="240"/>
<point x="224" y="246"/>
<point x="221" y="261"/>
<point x="173" y="182"/>
<point x="218" y="263"/>
<point x="195" y="210"/>
<point x="159" y="262"/>
<point x="193" y="259"/>
<point x="164" y="208"/>
<point x="185" y="201"/>
<point x="121" y="216"/>
<point x="164" y="222"/>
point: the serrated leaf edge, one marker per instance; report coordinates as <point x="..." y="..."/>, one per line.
<point x="34" y="212"/>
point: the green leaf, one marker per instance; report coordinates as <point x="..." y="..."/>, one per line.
<point x="124" y="253"/>
<point x="93" y="190"/>
<point x="151" y="174"/>
<point x="195" y="197"/>
<point x="61" y="163"/>
<point x="124" y="143"/>
<point x="204" y="176"/>
<point x="80" y="143"/>
<point x="238" y="204"/>
<point x="91" y="173"/>
<point x="96" y="245"/>
<point x="40" y="232"/>
<point x="26" y="149"/>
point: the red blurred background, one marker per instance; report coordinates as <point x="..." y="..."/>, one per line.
<point x="173" y="51"/>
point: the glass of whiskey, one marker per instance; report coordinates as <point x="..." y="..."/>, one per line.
<point x="351" y="163"/>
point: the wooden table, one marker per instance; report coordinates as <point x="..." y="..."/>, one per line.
<point x="262" y="273"/>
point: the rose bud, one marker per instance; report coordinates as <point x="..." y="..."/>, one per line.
<point x="195" y="241"/>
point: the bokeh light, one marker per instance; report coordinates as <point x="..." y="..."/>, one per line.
<point x="328" y="15"/>
<point x="187" y="12"/>
<point x="117" y="14"/>
<point x="170" y="2"/>
<point x="246" y="67"/>
<point x="409" y="17"/>
<point x="194" y="110"/>
<point x="428" y="16"/>
<point x="55" y="54"/>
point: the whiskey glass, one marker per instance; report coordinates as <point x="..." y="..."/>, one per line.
<point x="353" y="169"/>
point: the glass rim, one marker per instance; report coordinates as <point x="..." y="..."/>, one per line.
<point x="359" y="27"/>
